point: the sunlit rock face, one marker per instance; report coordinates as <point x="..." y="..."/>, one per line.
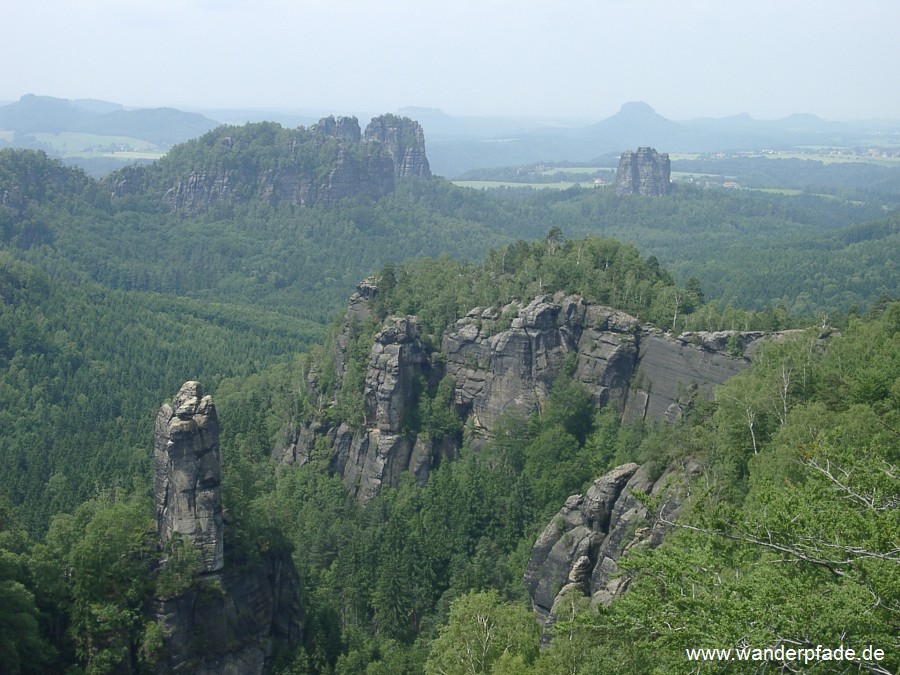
<point x="187" y="489"/>
<point x="502" y="360"/>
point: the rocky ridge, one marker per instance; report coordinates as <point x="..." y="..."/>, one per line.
<point x="506" y="359"/>
<point x="645" y="172"/>
<point x="231" y="618"/>
<point x="325" y="163"/>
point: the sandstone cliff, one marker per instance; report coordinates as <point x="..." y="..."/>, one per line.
<point x="322" y="164"/>
<point x="404" y="141"/>
<point x="578" y="551"/>
<point x="645" y="172"/>
<point x="188" y="474"/>
<point x="230" y="619"/>
<point x="502" y="359"/>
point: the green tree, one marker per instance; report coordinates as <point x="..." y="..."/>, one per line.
<point x="481" y="629"/>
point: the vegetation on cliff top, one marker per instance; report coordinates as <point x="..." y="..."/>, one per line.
<point x="106" y="305"/>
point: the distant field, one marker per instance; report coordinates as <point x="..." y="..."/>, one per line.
<point x="784" y="191"/>
<point x="837" y="159"/>
<point x="588" y="170"/>
<point x="491" y="184"/>
<point x="73" y="144"/>
<point x="127" y="155"/>
<point x="813" y="155"/>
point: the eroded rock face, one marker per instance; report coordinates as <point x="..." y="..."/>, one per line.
<point x="230" y="620"/>
<point x="579" y="550"/>
<point x="504" y="359"/>
<point x="513" y="369"/>
<point x="323" y="164"/>
<point x="381" y="450"/>
<point x="645" y="172"/>
<point x="404" y="141"/>
<point x="187" y="489"/>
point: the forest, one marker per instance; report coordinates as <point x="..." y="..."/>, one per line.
<point x="108" y="304"/>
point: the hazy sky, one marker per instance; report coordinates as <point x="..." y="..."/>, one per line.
<point x="580" y="58"/>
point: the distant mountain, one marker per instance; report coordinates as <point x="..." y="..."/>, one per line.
<point x="637" y="124"/>
<point x="323" y="164"/>
<point x="161" y="126"/>
<point x="31" y="114"/>
<point x="456" y="144"/>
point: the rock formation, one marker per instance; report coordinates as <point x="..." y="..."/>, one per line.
<point x="496" y="371"/>
<point x="322" y="164"/>
<point x="380" y="451"/>
<point x="578" y="551"/>
<point x="230" y="619"/>
<point x="644" y="172"/>
<point x="505" y="359"/>
<point x="188" y="474"/>
<point x="404" y="141"/>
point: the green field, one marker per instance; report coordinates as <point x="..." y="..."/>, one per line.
<point x="74" y="144"/>
<point x="491" y="184"/>
<point x="587" y="170"/>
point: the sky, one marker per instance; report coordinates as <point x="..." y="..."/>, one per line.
<point x="556" y="59"/>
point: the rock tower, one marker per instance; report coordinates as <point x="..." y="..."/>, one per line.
<point x="187" y="489"/>
<point x="645" y="172"/>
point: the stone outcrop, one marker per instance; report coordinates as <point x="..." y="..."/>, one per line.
<point x="645" y="172"/>
<point x="323" y="164"/>
<point x="513" y="369"/>
<point x="404" y="141"/>
<point x="504" y="359"/>
<point x="188" y="475"/>
<point x="578" y="552"/>
<point x="380" y="450"/>
<point x="231" y="618"/>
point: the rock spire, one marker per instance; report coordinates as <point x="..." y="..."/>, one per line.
<point x="645" y="172"/>
<point x="187" y="490"/>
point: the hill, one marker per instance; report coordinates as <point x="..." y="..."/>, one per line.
<point x="161" y="126"/>
<point x="203" y="266"/>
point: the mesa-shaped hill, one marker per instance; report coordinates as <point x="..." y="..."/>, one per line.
<point x="322" y="164"/>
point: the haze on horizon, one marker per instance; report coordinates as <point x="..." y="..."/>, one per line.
<point x="575" y="58"/>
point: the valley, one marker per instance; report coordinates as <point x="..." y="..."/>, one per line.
<point x="613" y="426"/>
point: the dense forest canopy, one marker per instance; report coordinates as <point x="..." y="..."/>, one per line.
<point x="109" y="302"/>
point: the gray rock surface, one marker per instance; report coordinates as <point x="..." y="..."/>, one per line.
<point x="380" y="451"/>
<point x="645" y="172"/>
<point x="580" y="548"/>
<point x="230" y="619"/>
<point x="404" y="141"/>
<point x="328" y="162"/>
<point x="504" y="359"/>
<point x="188" y="475"/>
